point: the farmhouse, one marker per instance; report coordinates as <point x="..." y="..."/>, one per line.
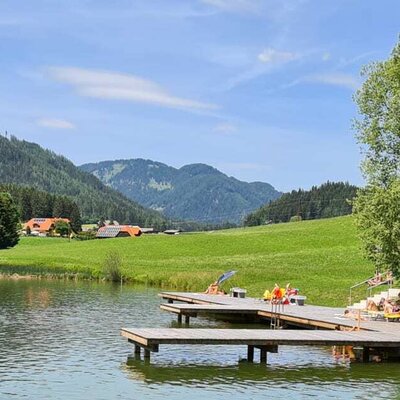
<point x="43" y="226"/>
<point x="112" y="231"/>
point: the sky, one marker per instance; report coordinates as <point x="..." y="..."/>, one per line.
<point x="260" y="89"/>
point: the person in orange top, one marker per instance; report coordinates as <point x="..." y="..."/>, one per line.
<point x="276" y="293"/>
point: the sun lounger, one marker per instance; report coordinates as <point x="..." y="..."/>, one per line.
<point x="393" y="316"/>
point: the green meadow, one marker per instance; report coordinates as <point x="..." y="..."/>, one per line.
<point x="322" y="258"/>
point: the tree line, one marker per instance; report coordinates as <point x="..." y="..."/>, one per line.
<point x="328" y="200"/>
<point x="33" y="203"/>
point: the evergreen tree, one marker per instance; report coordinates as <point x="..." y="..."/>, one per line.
<point x="9" y="222"/>
<point x="75" y="218"/>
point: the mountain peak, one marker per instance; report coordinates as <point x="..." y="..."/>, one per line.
<point x="196" y="192"/>
<point x="200" y="169"/>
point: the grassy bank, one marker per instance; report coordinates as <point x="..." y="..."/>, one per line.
<point x="322" y="258"/>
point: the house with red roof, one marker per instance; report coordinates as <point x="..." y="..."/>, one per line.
<point x="113" y="231"/>
<point x="43" y="226"/>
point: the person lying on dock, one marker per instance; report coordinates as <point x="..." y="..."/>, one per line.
<point x="353" y="315"/>
<point x="378" y="278"/>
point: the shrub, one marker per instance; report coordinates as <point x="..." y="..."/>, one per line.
<point x="295" y="218"/>
<point x="88" y="235"/>
<point x="112" y="267"/>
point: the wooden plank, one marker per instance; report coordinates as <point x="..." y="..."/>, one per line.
<point x="208" y="308"/>
<point x="260" y="337"/>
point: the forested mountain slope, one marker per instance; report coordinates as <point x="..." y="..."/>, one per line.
<point x="34" y="203"/>
<point x="195" y="192"/>
<point x="331" y="199"/>
<point x="28" y="164"/>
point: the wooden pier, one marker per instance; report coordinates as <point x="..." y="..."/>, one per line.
<point x="193" y="310"/>
<point x="325" y="326"/>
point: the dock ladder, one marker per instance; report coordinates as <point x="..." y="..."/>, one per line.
<point x="277" y="306"/>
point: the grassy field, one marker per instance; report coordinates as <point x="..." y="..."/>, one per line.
<point x="322" y="258"/>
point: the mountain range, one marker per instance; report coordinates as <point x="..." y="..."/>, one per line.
<point x="196" y="192"/>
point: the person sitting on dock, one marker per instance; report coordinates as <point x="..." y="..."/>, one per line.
<point x="389" y="277"/>
<point x="214" y="289"/>
<point x="291" y="291"/>
<point x="388" y="308"/>
<point x="277" y="294"/>
<point x="267" y="296"/>
<point x="371" y="306"/>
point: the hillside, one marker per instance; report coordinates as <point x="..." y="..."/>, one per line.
<point x="33" y="203"/>
<point x="322" y="258"/>
<point x="28" y="164"/>
<point x="195" y="192"/>
<point x="329" y="200"/>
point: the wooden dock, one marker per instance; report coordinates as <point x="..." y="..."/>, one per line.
<point x="307" y="316"/>
<point x="325" y="326"/>
<point x="266" y="340"/>
<point x="193" y="310"/>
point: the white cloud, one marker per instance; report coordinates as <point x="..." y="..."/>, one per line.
<point x="117" y="86"/>
<point x="55" y="123"/>
<point x="247" y="6"/>
<point x="275" y="57"/>
<point x="335" y="79"/>
<point x="225" y="128"/>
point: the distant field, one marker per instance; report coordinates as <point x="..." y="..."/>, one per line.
<point x="321" y="258"/>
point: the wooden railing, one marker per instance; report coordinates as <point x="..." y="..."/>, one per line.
<point x="370" y="287"/>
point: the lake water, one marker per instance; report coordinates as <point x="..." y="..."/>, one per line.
<point x="60" y="340"/>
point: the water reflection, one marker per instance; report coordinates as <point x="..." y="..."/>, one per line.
<point x="37" y="298"/>
<point x="245" y="373"/>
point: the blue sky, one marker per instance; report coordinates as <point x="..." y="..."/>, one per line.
<point x="260" y="89"/>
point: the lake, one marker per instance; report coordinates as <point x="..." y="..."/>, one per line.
<point x="60" y="340"/>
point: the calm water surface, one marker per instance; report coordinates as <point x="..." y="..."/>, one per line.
<point x="60" y="340"/>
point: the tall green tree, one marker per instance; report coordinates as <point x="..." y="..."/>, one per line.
<point x="377" y="207"/>
<point x="62" y="228"/>
<point x="377" y="212"/>
<point x="9" y="222"/>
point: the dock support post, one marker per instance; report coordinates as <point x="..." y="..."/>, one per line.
<point x="365" y="354"/>
<point x="263" y="355"/>
<point x="250" y="353"/>
<point x="147" y="354"/>
<point x="137" y="349"/>
<point x="187" y="319"/>
<point x="179" y="318"/>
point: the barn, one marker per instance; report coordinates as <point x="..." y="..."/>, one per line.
<point x="113" y="231"/>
